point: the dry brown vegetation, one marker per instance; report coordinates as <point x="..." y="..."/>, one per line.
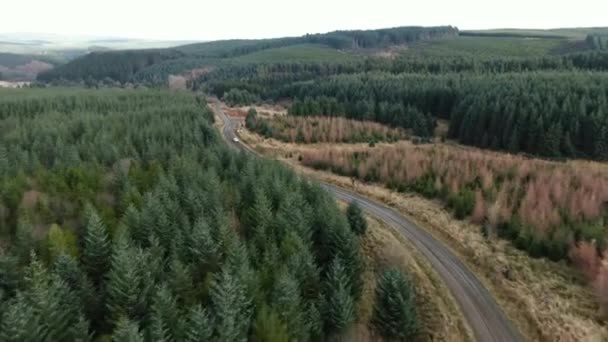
<point x="326" y="130"/>
<point x="546" y="299"/>
<point x="544" y="207"/>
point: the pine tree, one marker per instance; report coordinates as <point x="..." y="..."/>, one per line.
<point x="356" y="220"/>
<point x="288" y="304"/>
<point x="260" y="219"/>
<point x="127" y="289"/>
<point x="230" y="306"/>
<point x="180" y="282"/>
<point x="79" y="331"/>
<point x="56" y="307"/>
<point x="127" y="331"/>
<point x="165" y="315"/>
<point x="3" y="161"/>
<point x="344" y="245"/>
<point x="19" y="322"/>
<point x="11" y="276"/>
<point x="68" y="270"/>
<point x="394" y="309"/>
<point x="24" y="242"/>
<point x="96" y="252"/>
<point x="339" y="310"/>
<point x="199" y="326"/>
<point x="203" y="250"/>
<point x="601" y="143"/>
<point x="552" y="141"/>
<point x="251" y="118"/>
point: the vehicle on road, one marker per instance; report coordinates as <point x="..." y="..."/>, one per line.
<point x="235" y="139"/>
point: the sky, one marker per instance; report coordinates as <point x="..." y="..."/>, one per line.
<point x="226" y="19"/>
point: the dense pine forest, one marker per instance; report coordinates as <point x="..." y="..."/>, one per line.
<point x="124" y="217"/>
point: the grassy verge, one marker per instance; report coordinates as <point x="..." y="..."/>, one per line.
<point x="440" y="319"/>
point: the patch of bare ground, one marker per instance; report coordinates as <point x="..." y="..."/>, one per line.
<point x="548" y="301"/>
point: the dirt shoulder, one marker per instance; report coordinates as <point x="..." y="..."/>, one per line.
<point x="548" y="301"/>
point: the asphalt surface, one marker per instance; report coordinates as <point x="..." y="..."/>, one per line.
<point x="483" y="315"/>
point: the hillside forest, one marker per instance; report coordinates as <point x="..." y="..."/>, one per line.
<point x="124" y="217"/>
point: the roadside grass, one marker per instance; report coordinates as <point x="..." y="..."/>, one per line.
<point x="439" y="316"/>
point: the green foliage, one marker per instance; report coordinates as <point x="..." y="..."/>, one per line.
<point x="128" y="286"/>
<point x="287" y="303"/>
<point x="96" y="248"/>
<point x="183" y="238"/>
<point x="356" y="220"/>
<point x="339" y="310"/>
<point x="236" y="97"/>
<point x="251" y="118"/>
<point x="61" y="242"/>
<point x="462" y="203"/>
<point x="394" y="309"/>
<point x="127" y="331"/>
<point x="155" y="65"/>
<point x="268" y="327"/>
<point x="199" y="326"/>
<point x="230" y="306"/>
<point x="20" y="322"/>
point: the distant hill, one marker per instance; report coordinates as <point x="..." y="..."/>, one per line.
<point x="125" y="66"/>
<point x="16" y="67"/>
<point x="40" y="52"/>
<point x="153" y="66"/>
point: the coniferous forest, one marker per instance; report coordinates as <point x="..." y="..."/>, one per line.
<point x="124" y="217"/>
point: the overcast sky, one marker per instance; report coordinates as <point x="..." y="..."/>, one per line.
<point x="222" y="19"/>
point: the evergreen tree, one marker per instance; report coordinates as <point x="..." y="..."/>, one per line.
<point x="3" y="160"/>
<point x="230" y="305"/>
<point x="356" y="220"/>
<point x="339" y="310"/>
<point x="251" y="118"/>
<point x="19" y="322"/>
<point x="394" y="309"/>
<point x="199" y="326"/>
<point x="68" y="270"/>
<point x="344" y="245"/>
<point x="127" y="289"/>
<point x="96" y="248"/>
<point x="165" y="316"/>
<point x="127" y="331"/>
<point x="288" y="305"/>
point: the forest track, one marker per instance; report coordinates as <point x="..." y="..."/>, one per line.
<point x="485" y="318"/>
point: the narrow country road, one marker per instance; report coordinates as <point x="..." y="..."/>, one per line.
<point x="483" y="315"/>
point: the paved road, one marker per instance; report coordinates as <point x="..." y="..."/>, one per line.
<point x="483" y="315"/>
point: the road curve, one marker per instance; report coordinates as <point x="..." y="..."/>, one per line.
<point x="484" y="316"/>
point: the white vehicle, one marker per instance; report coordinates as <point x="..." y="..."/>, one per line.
<point x="235" y="139"/>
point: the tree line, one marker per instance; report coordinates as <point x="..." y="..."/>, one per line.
<point x="124" y="217"/>
<point x="553" y="114"/>
<point x="597" y="41"/>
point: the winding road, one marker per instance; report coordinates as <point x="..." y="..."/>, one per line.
<point x="483" y="315"/>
